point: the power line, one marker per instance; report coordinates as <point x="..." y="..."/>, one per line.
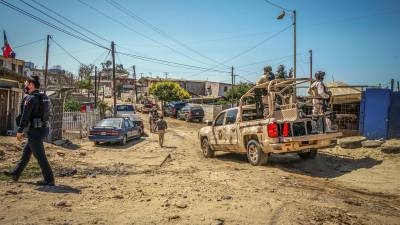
<point x="168" y="63"/>
<point x="131" y="14"/>
<point x="136" y="32"/>
<point x="72" y="22"/>
<point x="277" y="6"/>
<point x="60" y="22"/>
<point x="15" y="8"/>
<point x="30" y="43"/>
<point x="247" y="50"/>
<point x="264" y="61"/>
<point x="68" y="53"/>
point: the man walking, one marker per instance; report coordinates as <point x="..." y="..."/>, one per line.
<point x="161" y="126"/>
<point x="321" y="96"/>
<point x="34" y="118"/>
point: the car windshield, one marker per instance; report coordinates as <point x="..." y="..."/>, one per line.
<point x="125" y="108"/>
<point x="109" y="123"/>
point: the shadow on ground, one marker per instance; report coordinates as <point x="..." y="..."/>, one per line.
<point x="128" y="145"/>
<point x="323" y="165"/>
<point x="59" y="189"/>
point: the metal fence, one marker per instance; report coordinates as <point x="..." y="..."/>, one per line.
<point x="76" y="125"/>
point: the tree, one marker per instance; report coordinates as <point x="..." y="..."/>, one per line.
<point x="103" y="107"/>
<point x="168" y="91"/>
<point x="72" y="105"/>
<point x="281" y="72"/>
<point x="85" y="71"/>
<point x="234" y="94"/>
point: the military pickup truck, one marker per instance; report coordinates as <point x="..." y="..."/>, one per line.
<point x="281" y="127"/>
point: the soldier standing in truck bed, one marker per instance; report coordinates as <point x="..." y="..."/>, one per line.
<point x="320" y="101"/>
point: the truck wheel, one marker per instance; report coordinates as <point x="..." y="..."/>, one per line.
<point x="206" y="149"/>
<point x="255" y="155"/>
<point x="308" y="155"/>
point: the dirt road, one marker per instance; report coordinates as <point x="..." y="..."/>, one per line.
<point x="110" y="184"/>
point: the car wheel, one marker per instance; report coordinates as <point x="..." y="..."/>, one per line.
<point x="124" y="140"/>
<point x="308" y="155"/>
<point x="206" y="148"/>
<point x="255" y="155"/>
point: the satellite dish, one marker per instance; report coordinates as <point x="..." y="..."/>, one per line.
<point x="281" y="16"/>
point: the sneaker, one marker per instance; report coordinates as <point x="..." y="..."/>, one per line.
<point x="44" y="183"/>
<point x="13" y="177"/>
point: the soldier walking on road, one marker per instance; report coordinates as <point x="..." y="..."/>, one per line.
<point x="161" y="127"/>
<point x="33" y="119"/>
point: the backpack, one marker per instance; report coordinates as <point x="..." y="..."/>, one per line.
<point x="44" y="107"/>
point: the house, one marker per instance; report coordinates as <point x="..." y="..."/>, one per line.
<point x="12" y="64"/>
<point x="195" y="88"/>
<point x="216" y="89"/>
<point x="10" y="96"/>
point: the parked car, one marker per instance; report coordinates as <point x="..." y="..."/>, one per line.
<point x="125" y="109"/>
<point x="135" y="118"/>
<point x="114" y="130"/>
<point x="172" y="108"/>
<point x="190" y="113"/>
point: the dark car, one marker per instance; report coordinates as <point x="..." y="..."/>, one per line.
<point x="114" y="130"/>
<point x="172" y="108"/>
<point x="190" y="113"/>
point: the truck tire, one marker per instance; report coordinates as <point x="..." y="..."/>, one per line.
<point x="255" y="155"/>
<point x="308" y="155"/>
<point x="206" y="148"/>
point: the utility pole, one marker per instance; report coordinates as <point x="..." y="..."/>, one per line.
<point x="398" y="86"/>
<point x="95" y="86"/>
<point x="294" y="44"/>
<point x="166" y="75"/>
<point x="233" y="81"/>
<point x="135" y="82"/>
<point x="113" y="75"/>
<point x="310" y="51"/>
<point x="88" y="91"/>
<point x="47" y="62"/>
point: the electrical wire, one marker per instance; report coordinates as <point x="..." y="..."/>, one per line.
<point x="136" y="32"/>
<point x="131" y="14"/>
<point x="277" y="6"/>
<point x="60" y="22"/>
<point x="168" y="63"/>
<point x="72" y="22"/>
<point x="15" y="8"/>
<point x="264" y="61"/>
<point x="68" y="53"/>
<point x="30" y="43"/>
<point x="247" y="50"/>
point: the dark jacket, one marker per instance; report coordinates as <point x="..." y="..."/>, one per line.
<point x="31" y="109"/>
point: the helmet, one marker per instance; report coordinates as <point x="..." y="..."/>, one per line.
<point x="319" y="75"/>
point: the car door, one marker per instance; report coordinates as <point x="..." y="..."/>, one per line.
<point x="135" y="129"/>
<point x="231" y="129"/>
<point x="128" y="128"/>
<point x="218" y="131"/>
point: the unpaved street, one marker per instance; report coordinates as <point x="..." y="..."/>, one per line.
<point x="110" y="184"/>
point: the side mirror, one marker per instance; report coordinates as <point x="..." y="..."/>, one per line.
<point x="209" y="123"/>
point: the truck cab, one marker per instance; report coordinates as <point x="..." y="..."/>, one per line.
<point x="282" y="127"/>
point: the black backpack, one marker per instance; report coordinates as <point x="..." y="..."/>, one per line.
<point x="44" y="107"/>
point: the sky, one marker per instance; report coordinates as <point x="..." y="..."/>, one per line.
<point x="354" y="41"/>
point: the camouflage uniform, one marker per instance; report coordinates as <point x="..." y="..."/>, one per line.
<point x="320" y="101"/>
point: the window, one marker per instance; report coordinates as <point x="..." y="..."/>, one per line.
<point x="231" y="116"/>
<point x="220" y="119"/>
<point x="1" y="63"/>
<point x="13" y="67"/>
<point x="20" y="69"/>
<point x="127" y="124"/>
<point x="225" y="88"/>
<point x="132" y="123"/>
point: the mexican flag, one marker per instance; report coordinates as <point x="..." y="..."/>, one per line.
<point x="7" y="50"/>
